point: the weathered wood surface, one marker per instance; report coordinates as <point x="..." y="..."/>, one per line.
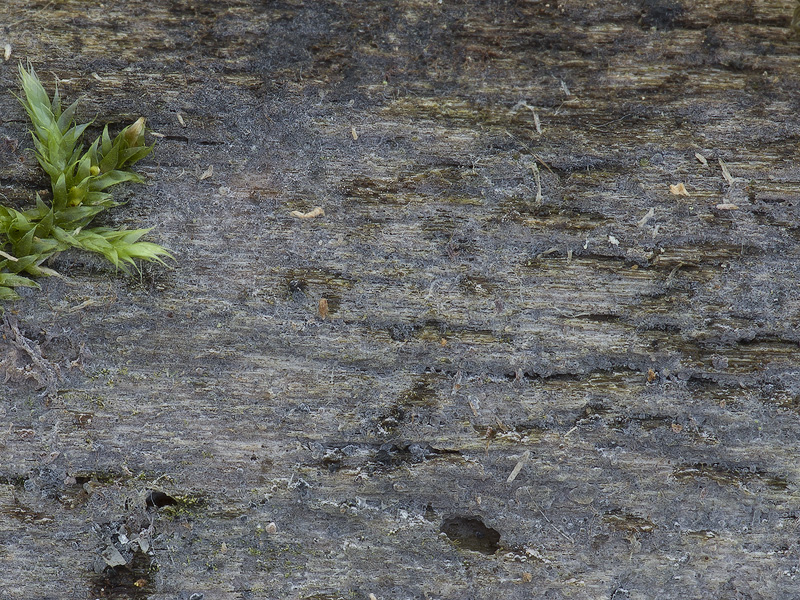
<point x="638" y="347"/>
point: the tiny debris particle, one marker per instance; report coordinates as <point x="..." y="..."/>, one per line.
<point x="373" y="597"/>
<point x="518" y="467"/>
<point x="522" y="104"/>
<point x="534" y="553"/>
<point x="725" y="173"/>
<point x="180" y="119"/>
<point x="651" y="376"/>
<point x="678" y="190"/>
<point x="208" y="173"/>
<point x="547" y="252"/>
<point x="677" y="428"/>
<point x="612" y="240"/>
<point x="97" y="77"/>
<point x="353" y="133"/>
<point x="113" y="557"/>
<point x="317" y="212"/>
<point x="7" y="52"/>
<point x="271" y="528"/>
<point x="323" y="307"/>
<point x="140" y="583"/>
<point x="650" y="214"/>
<point x="701" y="159"/>
<point x="726" y="206"/>
<point x="527" y="577"/>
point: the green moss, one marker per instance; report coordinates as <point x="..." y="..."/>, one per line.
<point x="78" y="179"/>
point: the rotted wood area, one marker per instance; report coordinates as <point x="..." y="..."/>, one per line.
<point x="506" y="359"/>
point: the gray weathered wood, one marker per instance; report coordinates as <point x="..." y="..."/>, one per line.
<point x="627" y="354"/>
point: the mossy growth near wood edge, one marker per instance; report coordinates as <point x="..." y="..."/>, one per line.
<point x="78" y="178"/>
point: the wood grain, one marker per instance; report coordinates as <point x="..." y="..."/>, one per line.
<point x="508" y="280"/>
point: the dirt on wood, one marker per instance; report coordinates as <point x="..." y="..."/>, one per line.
<point x="472" y="300"/>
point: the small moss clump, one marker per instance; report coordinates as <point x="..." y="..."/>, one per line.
<point x="78" y="179"/>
